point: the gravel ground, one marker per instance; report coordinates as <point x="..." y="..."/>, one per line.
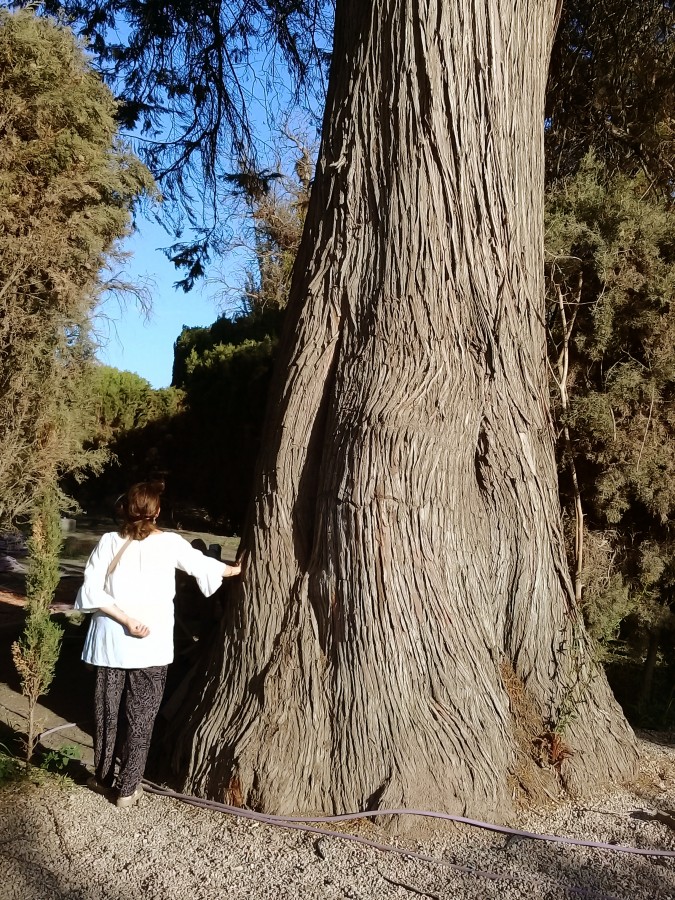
<point x="60" y="843"/>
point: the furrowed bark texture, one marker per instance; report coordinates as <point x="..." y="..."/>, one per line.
<point x="404" y="543"/>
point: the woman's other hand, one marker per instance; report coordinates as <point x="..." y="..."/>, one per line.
<point x="136" y="628"/>
<point x="133" y="627"/>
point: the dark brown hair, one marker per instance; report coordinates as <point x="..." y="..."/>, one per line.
<point x="139" y="508"/>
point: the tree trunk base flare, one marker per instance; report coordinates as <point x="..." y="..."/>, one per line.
<point x="404" y="548"/>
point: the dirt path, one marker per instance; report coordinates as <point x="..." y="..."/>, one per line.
<point x="62" y="843"/>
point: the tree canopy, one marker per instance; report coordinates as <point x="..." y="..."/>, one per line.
<point x="123" y="401"/>
<point x="186" y="74"/>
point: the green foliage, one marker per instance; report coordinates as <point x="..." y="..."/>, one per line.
<point x="124" y="401"/>
<point x="136" y="425"/>
<point x="611" y="256"/>
<point x="67" y="185"/>
<point x="225" y="369"/>
<point x="53" y="766"/>
<point x="203" y="433"/>
<point x="44" y="546"/>
<point x="11" y="768"/>
<point x="607" y="599"/>
<point x="226" y="390"/>
<point x="58" y="760"/>
<point x="193" y="343"/>
<point x="620" y="245"/>
<point x="36" y="653"/>
<point x="278" y="218"/>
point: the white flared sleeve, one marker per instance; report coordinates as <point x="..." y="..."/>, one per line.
<point x="208" y="572"/>
<point x="92" y="595"/>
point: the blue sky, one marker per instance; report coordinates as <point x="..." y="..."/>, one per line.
<point x="131" y="340"/>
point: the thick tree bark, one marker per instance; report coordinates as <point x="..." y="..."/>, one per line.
<point x="405" y="549"/>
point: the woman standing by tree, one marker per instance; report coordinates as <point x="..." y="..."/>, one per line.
<point x="129" y="586"/>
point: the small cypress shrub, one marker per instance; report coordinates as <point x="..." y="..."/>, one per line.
<point x="36" y="652"/>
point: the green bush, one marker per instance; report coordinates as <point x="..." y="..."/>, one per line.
<point x="36" y="652"/>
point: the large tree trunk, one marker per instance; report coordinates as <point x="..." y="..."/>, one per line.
<point x="406" y="598"/>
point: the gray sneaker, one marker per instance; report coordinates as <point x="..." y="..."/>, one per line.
<point x="126" y="802"/>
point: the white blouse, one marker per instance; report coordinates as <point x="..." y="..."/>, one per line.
<point x="143" y="585"/>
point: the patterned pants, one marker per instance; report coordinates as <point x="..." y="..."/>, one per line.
<point x="126" y="702"/>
